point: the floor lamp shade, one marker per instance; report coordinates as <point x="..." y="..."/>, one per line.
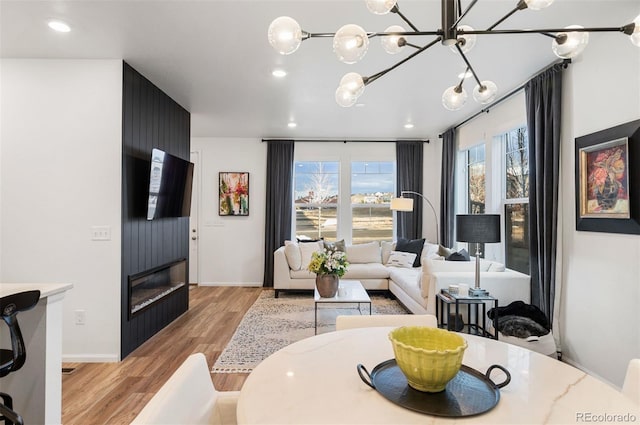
<point x="478" y="228"/>
<point x="401" y="204"/>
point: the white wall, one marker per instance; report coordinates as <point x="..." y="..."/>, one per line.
<point x="600" y="320"/>
<point x="231" y="248"/>
<point x="60" y="168"/>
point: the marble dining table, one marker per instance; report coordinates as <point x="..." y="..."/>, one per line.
<point x="315" y="381"/>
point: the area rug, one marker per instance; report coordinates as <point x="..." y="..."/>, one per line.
<point x="273" y="323"/>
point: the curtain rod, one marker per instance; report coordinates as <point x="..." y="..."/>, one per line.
<point x="348" y="141"/>
<point x="564" y="62"/>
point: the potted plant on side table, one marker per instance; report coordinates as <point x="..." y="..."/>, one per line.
<point x="329" y="266"/>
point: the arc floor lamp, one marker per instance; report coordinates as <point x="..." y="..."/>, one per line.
<point x="406" y="204"/>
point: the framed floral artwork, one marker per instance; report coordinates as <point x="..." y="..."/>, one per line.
<point x="233" y="192"/>
<point x="608" y="180"/>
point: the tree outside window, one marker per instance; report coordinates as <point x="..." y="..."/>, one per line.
<point x="372" y="187"/>
<point x="316" y="191"/>
<point x="516" y="199"/>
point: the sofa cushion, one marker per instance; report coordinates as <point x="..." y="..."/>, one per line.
<point x="496" y="267"/>
<point x="411" y="245"/>
<point x="430" y="251"/>
<point x="386" y="247"/>
<point x="364" y="253"/>
<point x="301" y="274"/>
<point x="366" y="271"/>
<point x="401" y="259"/>
<point x="409" y="280"/>
<point x="293" y="255"/>
<point x="435" y="266"/>
<point x="307" y="249"/>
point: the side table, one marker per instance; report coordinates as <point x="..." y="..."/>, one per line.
<point x="474" y="305"/>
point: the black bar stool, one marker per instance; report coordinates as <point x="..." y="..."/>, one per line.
<point x="13" y="359"/>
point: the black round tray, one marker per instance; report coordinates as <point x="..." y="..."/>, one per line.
<point x="468" y="393"/>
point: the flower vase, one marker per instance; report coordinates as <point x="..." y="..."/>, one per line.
<point x="327" y="285"/>
<point x="608" y="195"/>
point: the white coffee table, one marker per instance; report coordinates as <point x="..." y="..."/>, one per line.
<point x="349" y="291"/>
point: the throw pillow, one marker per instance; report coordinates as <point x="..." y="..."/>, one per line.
<point x="443" y="251"/>
<point x="307" y="249"/>
<point x="496" y="267"/>
<point x="292" y="254"/>
<point x="461" y="255"/>
<point x="429" y="251"/>
<point x="411" y="245"/>
<point x="364" y="253"/>
<point x="386" y="248"/>
<point x="337" y="245"/>
<point x="401" y="259"/>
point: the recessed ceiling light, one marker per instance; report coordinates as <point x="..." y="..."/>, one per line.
<point x="59" y="26"/>
<point x="408" y="125"/>
<point x="292" y="125"/>
<point x="279" y="73"/>
<point x="466" y="74"/>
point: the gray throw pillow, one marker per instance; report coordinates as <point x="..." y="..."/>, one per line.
<point x="461" y="255"/>
<point x="337" y="245"/>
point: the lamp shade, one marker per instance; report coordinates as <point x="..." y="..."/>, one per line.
<point x="401" y="204"/>
<point x="478" y="228"/>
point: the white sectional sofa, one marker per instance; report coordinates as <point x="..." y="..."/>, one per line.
<point x="414" y="287"/>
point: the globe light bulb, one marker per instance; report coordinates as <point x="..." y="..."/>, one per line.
<point x="345" y="97"/>
<point x="538" y="4"/>
<point x="466" y="41"/>
<point x="635" y="36"/>
<point x="350" y="43"/>
<point x="485" y="93"/>
<point x="354" y="83"/>
<point x="285" y="35"/>
<point x="393" y="44"/>
<point x="569" y="44"/>
<point x="380" y="7"/>
<point x="454" y="98"/>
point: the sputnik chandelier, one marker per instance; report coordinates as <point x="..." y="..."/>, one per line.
<point x="350" y="43"/>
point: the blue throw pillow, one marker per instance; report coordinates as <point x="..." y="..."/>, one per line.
<point x="411" y="245"/>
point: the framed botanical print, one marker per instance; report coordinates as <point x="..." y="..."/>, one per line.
<point x="608" y="180"/>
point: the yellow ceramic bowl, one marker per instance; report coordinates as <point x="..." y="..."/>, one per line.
<point x="428" y="357"/>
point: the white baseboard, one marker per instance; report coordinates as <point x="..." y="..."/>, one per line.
<point x="247" y="284"/>
<point x="90" y="358"/>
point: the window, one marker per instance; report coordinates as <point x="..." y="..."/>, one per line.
<point x="476" y="187"/>
<point x="516" y="198"/>
<point x="316" y="192"/>
<point x="372" y="186"/>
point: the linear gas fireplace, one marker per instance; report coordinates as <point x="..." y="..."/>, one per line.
<point x="150" y="286"/>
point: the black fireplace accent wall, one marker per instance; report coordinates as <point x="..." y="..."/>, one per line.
<point x="150" y="119"/>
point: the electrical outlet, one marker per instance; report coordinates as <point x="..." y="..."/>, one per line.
<point x="81" y="317"/>
<point x="100" y="233"/>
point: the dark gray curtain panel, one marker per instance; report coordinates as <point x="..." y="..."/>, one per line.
<point x="447" y="188"/>
<point x="279" y="201"/>
<point x="409" y="165"/>
<point x="544" y="101"/>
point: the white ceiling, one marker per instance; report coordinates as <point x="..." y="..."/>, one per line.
<point x="213" y="58"/>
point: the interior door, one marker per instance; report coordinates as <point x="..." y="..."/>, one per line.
<point x="193" y="221"/>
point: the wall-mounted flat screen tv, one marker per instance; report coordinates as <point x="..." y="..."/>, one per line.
<point x="170" y="184"/>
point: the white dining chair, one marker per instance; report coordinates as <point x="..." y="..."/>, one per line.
<point x="366" y="321"/>
<point x="631" y="386"/>
<point x="189" y="397"/>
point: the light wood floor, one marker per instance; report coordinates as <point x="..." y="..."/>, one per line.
<point x="114" y="393"/>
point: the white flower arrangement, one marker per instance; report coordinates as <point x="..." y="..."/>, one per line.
<point x="329" y="261"/>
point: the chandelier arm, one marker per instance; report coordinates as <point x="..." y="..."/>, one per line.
<point x="464" y="57"/>
<point x="374" y="77"/>
<point x="507" y="16"/>
<point x="546" y="31"/>
<point x="415" y="46"/>
<point x="473" y="2"/>
<point x="396" y="9"/>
